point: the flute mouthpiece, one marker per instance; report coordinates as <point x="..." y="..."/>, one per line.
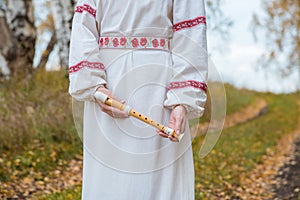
<point x="170" y="131"/>
<point x="100" y="96"/>
<point x="180" y="136"/>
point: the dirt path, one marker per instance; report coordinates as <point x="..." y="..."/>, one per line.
<point x="278" y="177"/>
<point x="288" y="178"/>
<point x="250" y="112"/>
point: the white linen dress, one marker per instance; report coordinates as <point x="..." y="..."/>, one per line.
<point x="152" y="54"/>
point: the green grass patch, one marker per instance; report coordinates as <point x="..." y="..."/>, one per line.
<point x="241" y="147"/>
<point x="70" y="194"/>
<point x="235" y="100"/>
<point x="238" y="98"/>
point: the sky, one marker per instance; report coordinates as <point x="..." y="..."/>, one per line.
<point x="237" y="64"/>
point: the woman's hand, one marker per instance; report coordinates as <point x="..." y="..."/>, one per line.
<point x="177" y="122"/>
<point x="113" y="112"/>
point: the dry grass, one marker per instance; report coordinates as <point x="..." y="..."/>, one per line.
<point x="36" y="109"/>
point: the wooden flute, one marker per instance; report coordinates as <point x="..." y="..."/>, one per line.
<point x="126" y="108"/>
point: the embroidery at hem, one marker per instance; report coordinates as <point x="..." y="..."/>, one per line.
<point x="189" y="23"/>
<point x="86" y="8"/>
<point x="82" y="64"/>
<point x="190" y="83"/>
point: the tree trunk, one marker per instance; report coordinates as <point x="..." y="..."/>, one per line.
<point x="46" y="53"/>
<point x="17" y="36"/>
<point x="62" y="13"/>
<point x="4" y="70"/>
<point x="5" y="41"/>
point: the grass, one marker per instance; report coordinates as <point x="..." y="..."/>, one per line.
<point x="70" y="194"/>
<point x="36" y="109"/>
<point x="238" y="98"/>
<point x="36" y="160"/>
<point x="241" y="147"/>
<point x="235" y="100"/>
<point x="37" y="131"/>
<point x="37" y="137"/>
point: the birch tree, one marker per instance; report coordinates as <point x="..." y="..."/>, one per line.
<point x="45" y="26"/>
<point x="62" y="12"/>
<point x="281" y="26"/>
<point x="17" y="36"/>
<point x="5" y="41"/>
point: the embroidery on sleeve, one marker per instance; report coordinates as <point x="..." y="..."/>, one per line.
<point x="189" y="23"/>
<point x="190" y="83"/>
<point x="82" y="64"/>
<point x="86" y="8"/>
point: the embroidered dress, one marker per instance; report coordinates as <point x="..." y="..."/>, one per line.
<point x="152" y="54"/>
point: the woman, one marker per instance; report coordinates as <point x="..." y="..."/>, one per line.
<point x="152" y="55"/>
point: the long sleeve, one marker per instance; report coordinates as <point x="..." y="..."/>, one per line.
<point x="189" y="54"/>
<point x="86" y="70"/>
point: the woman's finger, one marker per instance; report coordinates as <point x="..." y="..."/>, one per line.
<point x="162" y="134"/>
<point x="173" y="139"/>
<point x="113" y="112"/>
<point x="116" y="113"/>
<point x="181" y="125"/>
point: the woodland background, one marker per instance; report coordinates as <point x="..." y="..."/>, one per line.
<point x="22" y="27"/>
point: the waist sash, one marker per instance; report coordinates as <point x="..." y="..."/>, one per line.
<point x="134" y="43"/>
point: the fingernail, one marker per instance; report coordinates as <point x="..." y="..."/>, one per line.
<point x="177" y="132"/>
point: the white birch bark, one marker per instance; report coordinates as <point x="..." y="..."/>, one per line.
<point x="17" y="35"/>
<point x="3" y="67"/>
<point x="62" y="13"/>
<point x="4" y="70"/>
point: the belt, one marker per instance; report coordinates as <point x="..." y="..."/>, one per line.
<point x="134" y="43"/>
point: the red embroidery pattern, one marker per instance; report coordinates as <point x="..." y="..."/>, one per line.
<point x="190" y="83"/>
<point x="155" y="43"/>
<point x="162" y="42"/>
<point x="82" y="64"/>
<point x="106" y="41"/>
<point x="87" y="8"/>
<point x="116" y="42"/>
<point x="123" y="41"/>
<point x="189" y="23"/>
<point x="143" y="41"/>
<point x="134" y="42"/>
